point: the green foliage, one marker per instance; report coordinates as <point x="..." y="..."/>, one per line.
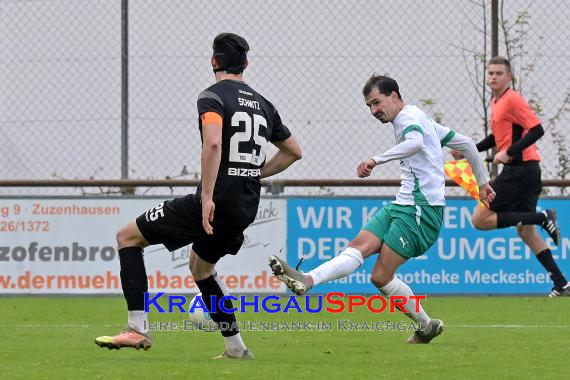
<point x="559" y="139"/>
<point x="430" y="103"/>
<point x="515" y="36"/>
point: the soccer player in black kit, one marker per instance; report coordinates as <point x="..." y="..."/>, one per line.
<point x="235" y="124"/>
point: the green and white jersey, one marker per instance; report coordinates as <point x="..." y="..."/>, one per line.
<point x="423" y="180"/>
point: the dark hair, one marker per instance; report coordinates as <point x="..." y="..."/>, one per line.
<point x="230" y="51"/>
<point x="384" y="84"/>
<point x="498" y="60"/>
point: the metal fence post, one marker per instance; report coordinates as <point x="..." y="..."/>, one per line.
<point x="125" y="89"/>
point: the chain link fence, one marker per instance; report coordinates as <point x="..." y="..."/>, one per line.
<point x="60" y="80"/>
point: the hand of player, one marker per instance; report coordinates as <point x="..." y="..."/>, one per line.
<point x="364" y="169"/>
<point x="486" y="194"/>
<point x="208" y="207"/>
<point x="457" y="155"/>
<point x="502" y="158"/>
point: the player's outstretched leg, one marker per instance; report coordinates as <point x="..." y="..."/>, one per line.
<point x="293" y="279"/>
<point x="338" y="267"/>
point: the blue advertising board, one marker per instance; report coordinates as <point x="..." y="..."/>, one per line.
<point x="462" y="261"/>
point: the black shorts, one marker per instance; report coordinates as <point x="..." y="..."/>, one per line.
<point x="178" y="222"/>
<point x="518" y="188"/>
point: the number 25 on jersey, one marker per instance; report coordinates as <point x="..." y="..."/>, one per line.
<point x="248" y="153"/>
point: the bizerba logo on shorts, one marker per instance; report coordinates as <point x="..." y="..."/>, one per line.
<point x="336" y="302"/>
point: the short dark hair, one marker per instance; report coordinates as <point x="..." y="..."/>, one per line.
<point x="230" y="51"/>
<point x="384" y="84"/>
<point x="498" y="60"/>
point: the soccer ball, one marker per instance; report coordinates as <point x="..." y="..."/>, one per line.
<point x="201" y="319"/>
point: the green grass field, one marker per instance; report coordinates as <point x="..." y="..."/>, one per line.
<point x="500" y="337"/>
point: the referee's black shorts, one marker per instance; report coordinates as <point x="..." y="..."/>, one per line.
<point x="518" y="187"/>
<point x="178" y="222"/>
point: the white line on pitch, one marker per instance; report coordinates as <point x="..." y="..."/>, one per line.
<point x="55" y="325"/>
<point x="501" y="326"/>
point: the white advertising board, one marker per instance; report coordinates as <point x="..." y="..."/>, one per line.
<point x="67" y="246"/>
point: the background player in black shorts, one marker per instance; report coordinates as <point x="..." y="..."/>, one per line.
<point x="235" y="124"/>
<point x="515" y="130"/>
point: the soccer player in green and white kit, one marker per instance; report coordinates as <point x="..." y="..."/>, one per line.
<point x="408" y="226"/>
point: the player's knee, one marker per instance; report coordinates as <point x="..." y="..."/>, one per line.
<point x="525" y="232"/>
<point x="475" y="221"/>
<point x="381" y="279"/>
<point x="192" y="267"/>
<point x="479" y="222"/>
<point x="197" y="273"/>
<point x="121" y="236"/>
<point x="127" y="238"/>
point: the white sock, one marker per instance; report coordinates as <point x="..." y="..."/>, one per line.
<point x="235" y="345"/>
<point x="138" y="320"/>
<point x="397" y="287"/>
<point x="338" y="267"/>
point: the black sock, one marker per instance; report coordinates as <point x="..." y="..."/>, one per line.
<point x="510" y="219"/>
<point x="133" y="277"/>
<point x="210" y="287"/>
<point x="547" y="261"/>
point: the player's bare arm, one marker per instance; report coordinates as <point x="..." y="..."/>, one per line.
<point x="289" y="152"/>
<point x="210" y="163"/>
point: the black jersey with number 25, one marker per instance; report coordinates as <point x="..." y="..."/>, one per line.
<point x="249" y="122"/>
